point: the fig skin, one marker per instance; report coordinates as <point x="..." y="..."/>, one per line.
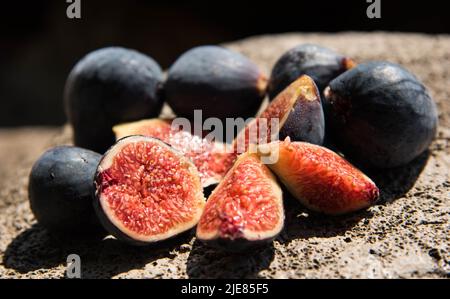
<point x="110" y="86"/>
<point x="320" y="63"/>
<point x="220" y="82"/>
<point x="105" y="219"/>
<point x="380" y="115"/>
<point x="236" y="234"/>
<point x="60" y="190"/>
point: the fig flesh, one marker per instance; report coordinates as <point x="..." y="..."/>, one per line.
<point x="245" y="209"/>
<point x="147" y="191"/>
<point x="210" y="158"/>
<point x="320" y="179"/>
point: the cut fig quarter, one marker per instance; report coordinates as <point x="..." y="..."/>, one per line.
<point x="246" y="208"/>
<point x="320" y="179"/>
<point x="146" y="191"/>
<point x="210" y="158"/>
<point x="299" y="113"/>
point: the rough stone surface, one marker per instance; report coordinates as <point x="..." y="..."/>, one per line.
<point x="405" y="235"/>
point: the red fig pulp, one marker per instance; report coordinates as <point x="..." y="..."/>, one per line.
<point x="209" y="157"/>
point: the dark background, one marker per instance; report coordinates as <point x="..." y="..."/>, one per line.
<point x="39" y="45"/>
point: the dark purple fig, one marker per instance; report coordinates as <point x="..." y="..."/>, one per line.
<point x="107" y="87"/>
<point x="380" y="114"/>
<point x="218" y="81"/>
<point x="321" y="64"/>
<point x="60" y="190"/>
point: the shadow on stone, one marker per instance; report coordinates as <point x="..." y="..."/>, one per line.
<point x="396" y="182"/>
<point x="205" y="262"/>
<point x="301" y="223"/>
<point x="35" y="249"/>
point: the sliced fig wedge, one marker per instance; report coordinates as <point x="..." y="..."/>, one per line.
<point x="146" y="191"/>
<point x="210" y="158"/>
<point x="299" y="115"/>
<point x="320" y="179"/>
<point x="245" y="209"/>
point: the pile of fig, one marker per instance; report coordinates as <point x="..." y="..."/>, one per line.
<point x="143" y="179"/>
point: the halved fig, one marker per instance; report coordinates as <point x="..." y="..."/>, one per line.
<point x="319" y="178"/>
<point x="297" y="108"/>
<point x="146" y="191"/>
<point x="209" y="157"/>
<point x="246" y="208"/>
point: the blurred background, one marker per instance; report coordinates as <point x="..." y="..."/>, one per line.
<point x="39" y="45"/>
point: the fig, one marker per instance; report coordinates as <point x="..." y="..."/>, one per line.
<point x="210" y="158"/>
<point x="220" y="82"/>
<point x="380" y="115"/>
<point x="321" y="64"/>
<point x="245" y="210"/>
<point x="107" y="87"/>
<point x="60" y="190"/>
<point x="319" y="178"/>
<point x="298" y="110"/>
<point x="146" y="191"/>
